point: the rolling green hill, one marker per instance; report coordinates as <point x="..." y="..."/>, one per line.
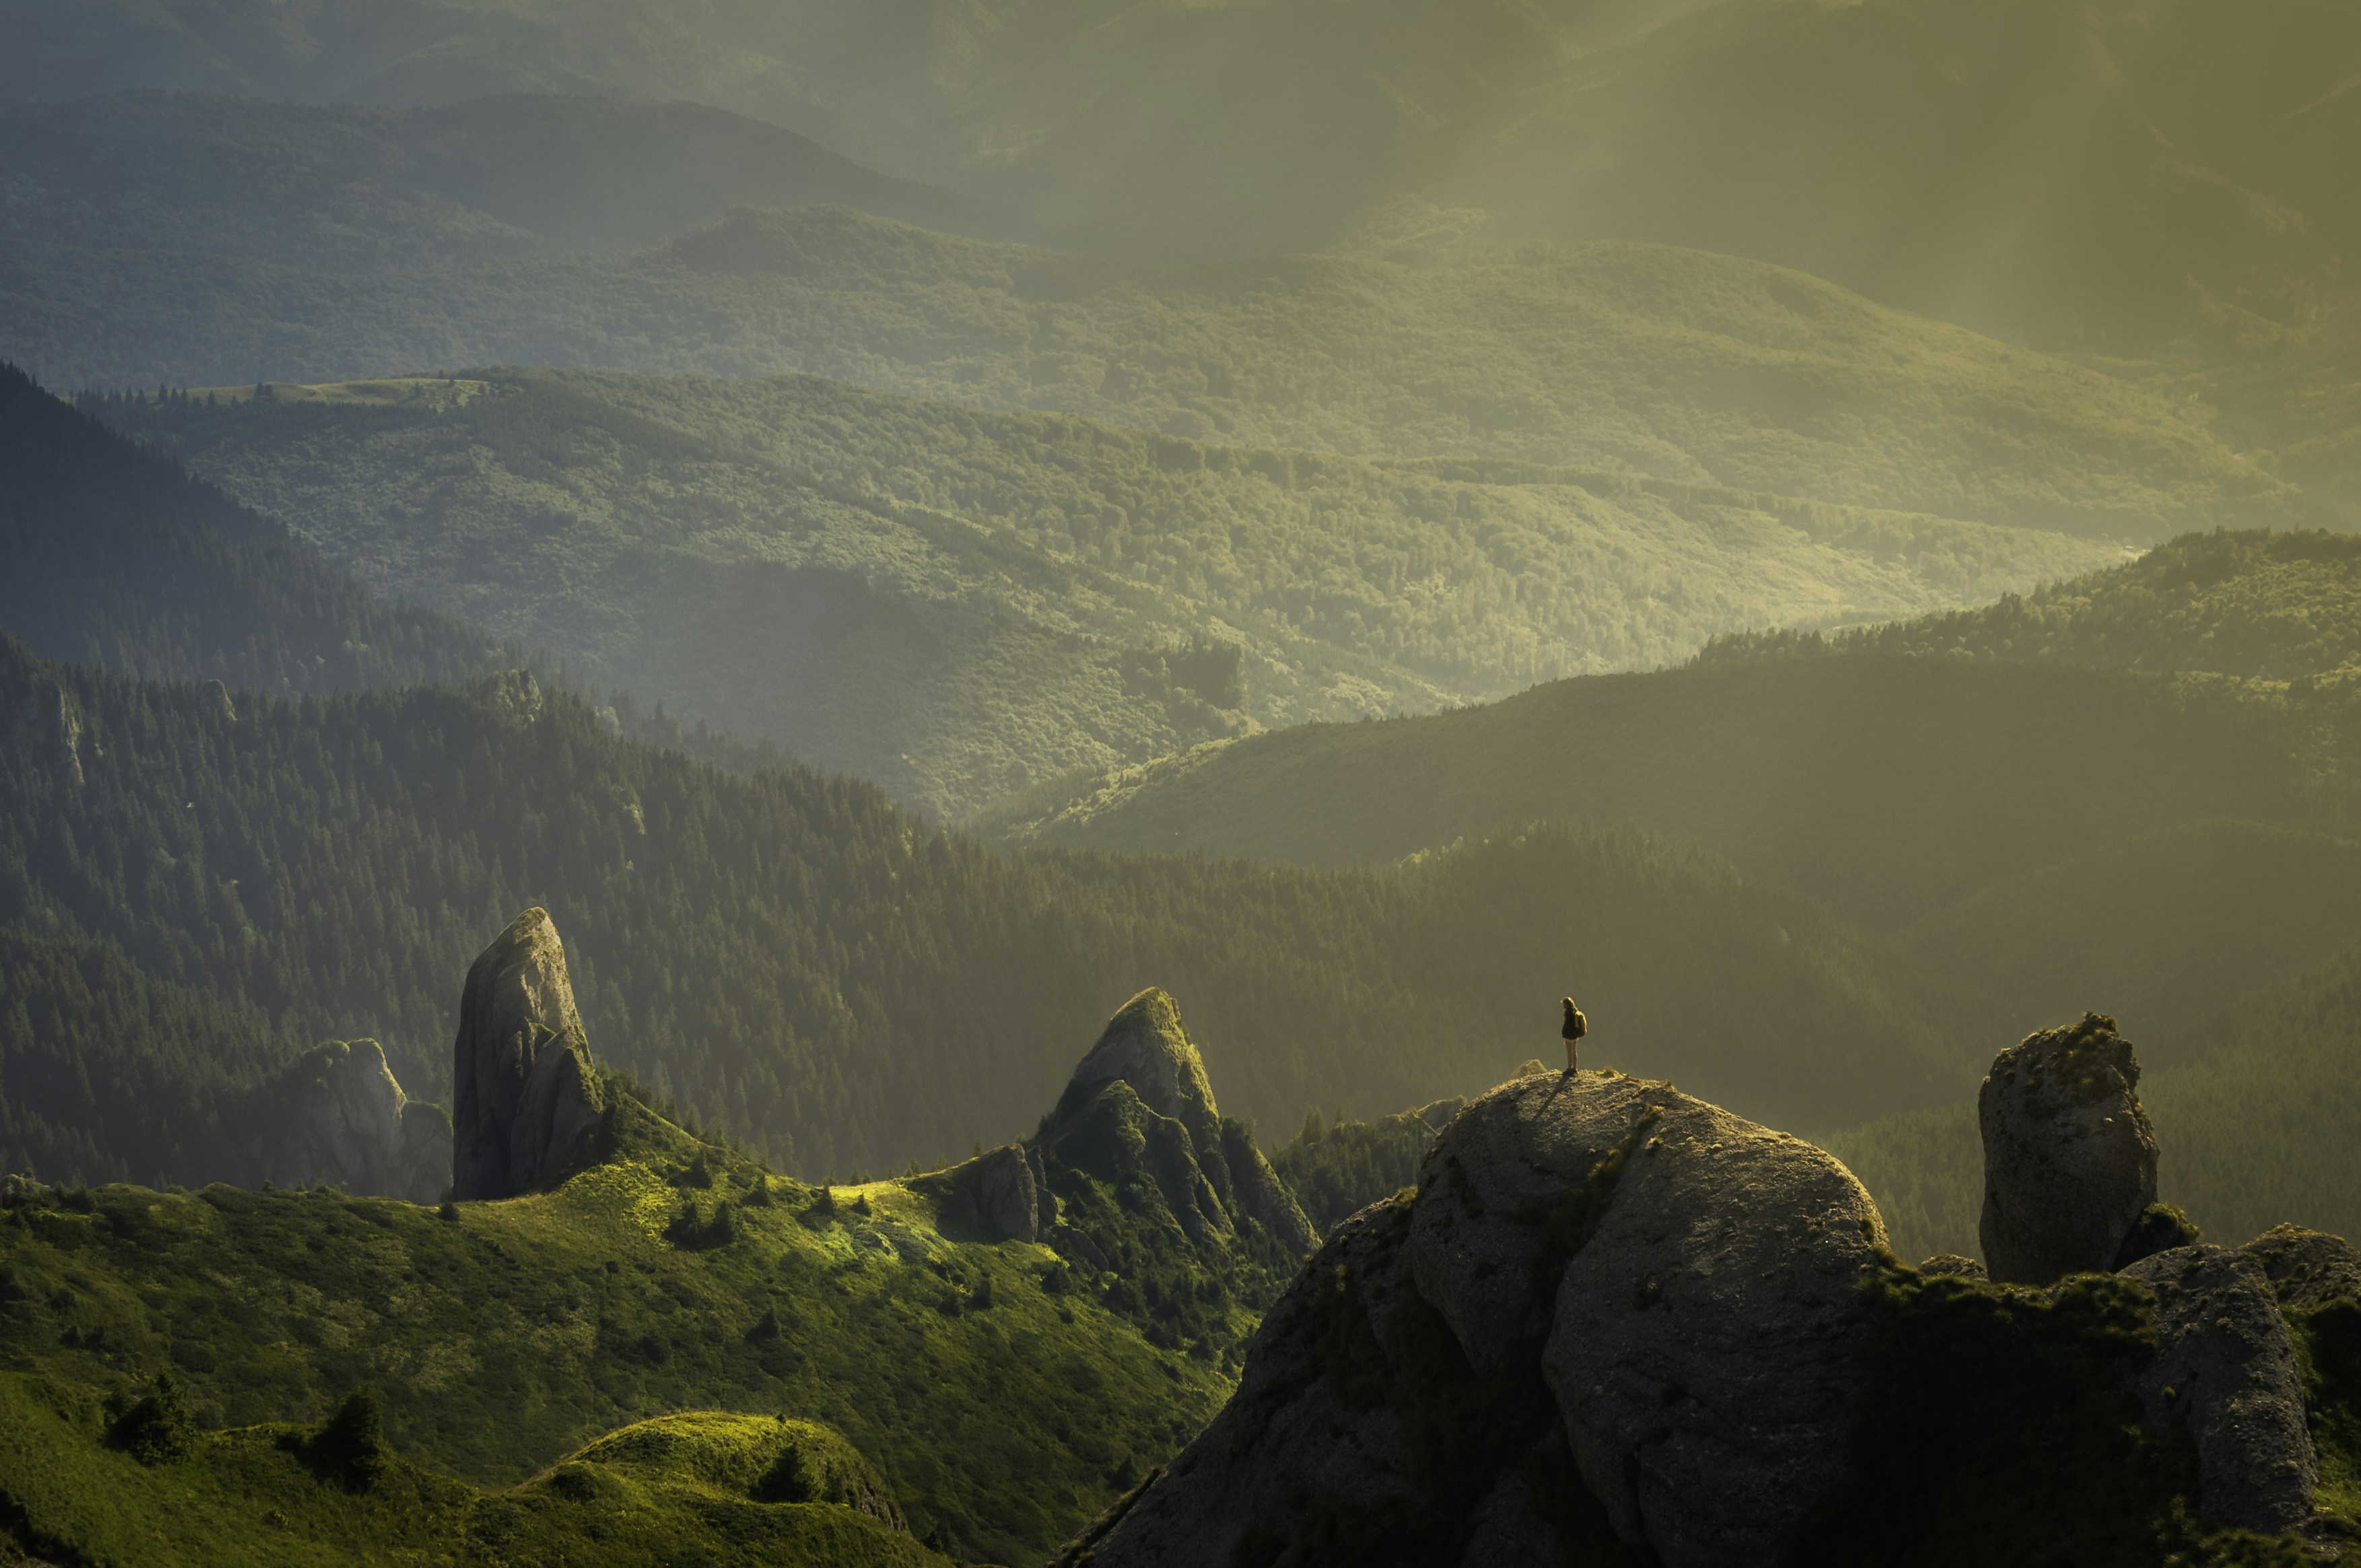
<point x="959" y="605"/>
<point x="2276" y="607"/>
<point x="999" y="1389"/>
<point x="258" y="1495"/>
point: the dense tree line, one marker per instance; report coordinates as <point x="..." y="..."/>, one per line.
<point x="790" y="956"/>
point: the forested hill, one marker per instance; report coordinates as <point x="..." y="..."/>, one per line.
<point x="2274" y="606"/>
<point x="111" y="555"/>
<point x="793" y="959"/>
<point x="959" y="604"/>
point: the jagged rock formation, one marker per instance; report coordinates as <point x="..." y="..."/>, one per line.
<point x="2226" y="1371"/>
<point x="1140" y="1101"/>
<point x="2070" y="1158"/>
<point x="215" y="700"/>
<point x="336" y="1115"/>
<point x="1598" y="1264"/>
<point x="524" y="1096"/>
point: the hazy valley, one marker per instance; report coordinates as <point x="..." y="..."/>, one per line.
<point x="648" y="653"/>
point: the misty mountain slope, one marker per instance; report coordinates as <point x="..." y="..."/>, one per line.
<point x="2274" y="606"/>
<point x="1077" y="104"/>
<point x="1678" y="365"/>
<point x="2197" y="915"/>
<point x="114" y="556"/>
<point x="2113" y="177"/>
<point x="1888" y="786"/>
<point x="360" y="189"/>
<point x="960" y="604"/>
<point x="793" y="959"/>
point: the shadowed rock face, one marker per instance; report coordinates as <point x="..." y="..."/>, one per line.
<point x="344" y="1119"/>
<point x="1290" y="1430"/>
<point x="524" y="1096"/>
<point x="2226" y="1371"/>
<point x="2069" y="1159"/>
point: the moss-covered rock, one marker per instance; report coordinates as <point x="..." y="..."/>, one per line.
<point x="2070" y="1158"/>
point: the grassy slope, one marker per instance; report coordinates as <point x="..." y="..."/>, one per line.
<point x="248" y="1496"/>
<point x="940" y="599"/>
<point x="513" y="1334"/>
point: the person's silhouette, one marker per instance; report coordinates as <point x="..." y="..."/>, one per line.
<point x="1575" y="1028"/>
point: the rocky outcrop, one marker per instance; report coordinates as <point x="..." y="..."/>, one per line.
<point x="213" y="701"/>
<point x="525" y="1098"/>
<point x="2069" y="1159"/>
<point x="1140" y="1102"/>
<point x="1597" y="1277"/>
<point x="38" y="716"/>
<point x="999" y="1194"/>
<point x="336" y="1115"/>
<point x="2306" y="1268"/>
<point x="2225" y="1372"/>
<point x="1609" y="1313"/>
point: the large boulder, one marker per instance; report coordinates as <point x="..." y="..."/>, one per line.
<point x="1602" y="1292"/>
<point x="1705" y="1344"/>
<point x="2070" y="1158"/>
<point x="2226" y="1371"/>
<point x="1479" y="1245"/>
<point x="525" y="1098"/>
<point x="337" y="1115"/>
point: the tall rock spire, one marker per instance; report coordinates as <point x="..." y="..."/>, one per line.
<point x="524" y="1096"/>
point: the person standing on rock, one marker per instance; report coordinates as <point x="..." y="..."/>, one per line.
<point x="1572" y="1031"/>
